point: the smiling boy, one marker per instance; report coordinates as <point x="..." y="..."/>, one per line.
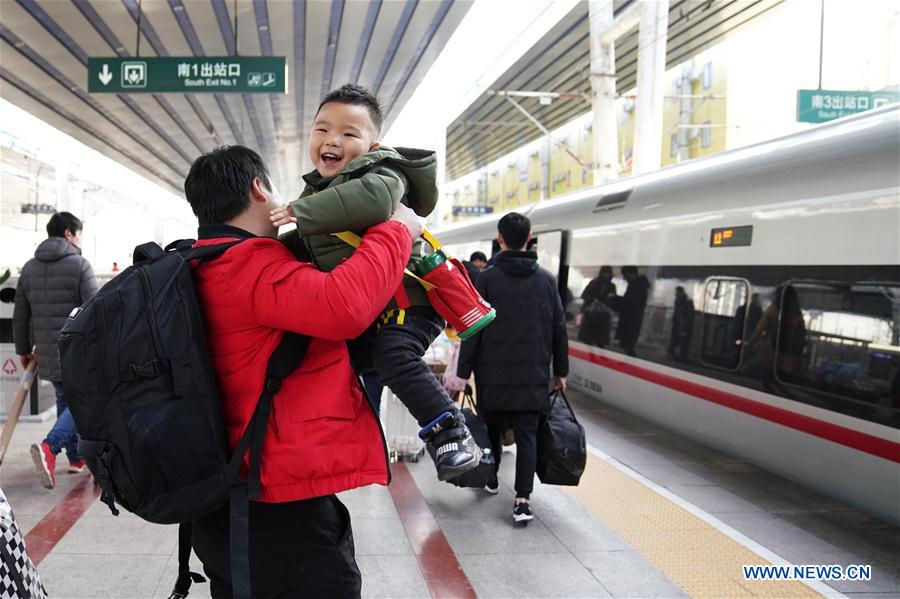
<point x="357" y="184"/>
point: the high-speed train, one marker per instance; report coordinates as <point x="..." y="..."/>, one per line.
<point x="782" y="345"/>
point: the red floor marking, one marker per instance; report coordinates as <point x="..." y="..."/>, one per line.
<point x="854" y="439"/>
<point x="46" y="534"/>
<point x="443" y="574"/>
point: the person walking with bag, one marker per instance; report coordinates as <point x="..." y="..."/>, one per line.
<point x="514" y="359"/>
<point x="52" y="283"/>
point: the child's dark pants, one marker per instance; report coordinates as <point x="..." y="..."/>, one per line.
<point x="393" y="347"/>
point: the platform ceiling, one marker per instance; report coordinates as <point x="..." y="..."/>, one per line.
<point x="492" y="127"/>
<point x="387" y="46"/>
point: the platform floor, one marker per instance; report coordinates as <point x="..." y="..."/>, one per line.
<point x="656" y="515"/>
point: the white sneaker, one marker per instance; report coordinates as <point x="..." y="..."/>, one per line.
<point x="492" y="490"/>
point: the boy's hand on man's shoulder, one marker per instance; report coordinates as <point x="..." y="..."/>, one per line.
<point x="282" y="216"/>
<point x="405" y="215"/>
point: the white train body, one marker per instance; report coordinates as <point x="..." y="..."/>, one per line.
<point x="814" y="216"/>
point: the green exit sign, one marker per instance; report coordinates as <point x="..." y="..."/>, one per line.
<point x="821" y="105"/>
<point x="188" y="74"/>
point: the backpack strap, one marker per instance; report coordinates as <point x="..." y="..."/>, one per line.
<point x="284" y="360"/>
<point x="185" y="576"/>
<point x="147" y="251"/>
<point x="203" y="252"/>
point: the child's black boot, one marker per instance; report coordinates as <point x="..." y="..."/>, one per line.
<point x="451" y="445"/>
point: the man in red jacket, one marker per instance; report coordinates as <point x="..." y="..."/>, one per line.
<point x="322" y="435"/>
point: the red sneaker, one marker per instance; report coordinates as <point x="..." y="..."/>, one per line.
<point x="45" y="463"/>
<point x="77" y="466"/>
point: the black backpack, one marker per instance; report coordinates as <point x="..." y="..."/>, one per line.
<point x="141" y="388"/>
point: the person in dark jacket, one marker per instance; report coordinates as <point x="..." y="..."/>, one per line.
<point x="513" y="359"/>
<point x="476" y="263"/>
<point x="631" y="308"/>
<point x="682" y="325"/>
<point x="53" y="283"/>
<point x="596" y="311"/>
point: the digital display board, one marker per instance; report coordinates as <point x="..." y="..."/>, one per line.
<point x="730" y="237"/>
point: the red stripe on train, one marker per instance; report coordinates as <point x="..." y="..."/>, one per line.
<point x="854" y="439"/>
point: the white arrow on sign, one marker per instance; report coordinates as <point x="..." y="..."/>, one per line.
<point x="105" y="75"/>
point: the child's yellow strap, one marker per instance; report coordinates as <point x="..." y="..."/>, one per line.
<point x="431" y="239"/>
<point x="354" y="240"/>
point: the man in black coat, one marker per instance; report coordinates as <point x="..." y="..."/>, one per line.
<point x="596" y="313"/>
<point x="513" y="357"/>
<point x="476" y="263"/>
<point x="682" y="325"/>
<point x="52" y="283"/>
<point x="631" y="308"/>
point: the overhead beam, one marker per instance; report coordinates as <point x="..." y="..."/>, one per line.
<point x="547" y="132"/>
<point x="627" y="19"/>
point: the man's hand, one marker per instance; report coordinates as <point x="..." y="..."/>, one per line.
<point x="26" y="360"/>
<point x="282" y="216"/>
<point x="409" y="218"/>
<point x="560" y="383"/>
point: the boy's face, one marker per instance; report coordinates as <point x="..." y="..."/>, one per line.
<point x="340" y="133"/>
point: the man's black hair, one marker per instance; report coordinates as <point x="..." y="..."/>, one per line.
<point x="218" y="184"/>
<point x="350" y="93"/>
<point x="629" y="270"/>
<point x="61" y="222"/>
<point x="514" y="228"/>
<point x="477" y="256"/>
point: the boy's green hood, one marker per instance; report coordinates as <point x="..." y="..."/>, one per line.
<point x="418" y="166"/>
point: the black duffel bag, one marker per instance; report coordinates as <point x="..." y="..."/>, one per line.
<point x="562" y="451"/>
<point x="479" y="476"/>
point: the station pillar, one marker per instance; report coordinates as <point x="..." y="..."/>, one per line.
<point x="603" y="88"/>
<point x="651" y="68"/>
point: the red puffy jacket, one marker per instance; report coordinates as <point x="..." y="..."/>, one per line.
<point x="322" y="436"/>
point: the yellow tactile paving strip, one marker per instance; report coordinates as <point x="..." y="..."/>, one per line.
<point x="698" y="558"/>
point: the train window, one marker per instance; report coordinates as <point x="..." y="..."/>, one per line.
<point x="842" y="339"/>
<point x="724" y="318"/>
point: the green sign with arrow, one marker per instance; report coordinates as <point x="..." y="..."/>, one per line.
<point x="188" y="74"/>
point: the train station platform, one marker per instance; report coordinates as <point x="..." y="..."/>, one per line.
<point x="655" y="515"/>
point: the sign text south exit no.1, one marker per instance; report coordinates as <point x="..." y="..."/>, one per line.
<point x="187" y="74"/>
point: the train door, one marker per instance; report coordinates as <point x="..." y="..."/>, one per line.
<point x="552" y="249"/>
<point x="725" y="303"/>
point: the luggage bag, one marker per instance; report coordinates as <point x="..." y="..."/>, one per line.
<point x="562" y="448"/>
